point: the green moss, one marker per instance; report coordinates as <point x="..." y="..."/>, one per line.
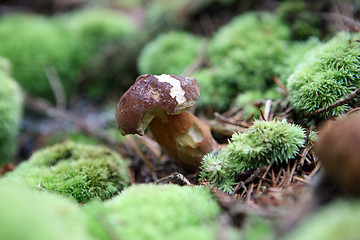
<point x="338" y="220"/>
<point x="329" y="74"/>
<point x="302" y="21"/>
<point x="150" y="211"/>
<point x="35" y="215"/>
<point x="169" y="53"/>
<point x="10" y="116"/>
<point x="245" y="52"/>
<point x="37" y="44"/>
<point x="264" y="142"/>
<point x="296" y="52"/>
<point x="249" y="100"/>
<point x="78" y="171"/>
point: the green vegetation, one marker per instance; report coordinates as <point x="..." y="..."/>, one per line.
<point x="35" y="215"/>
<point x="330" y="73"/>
<point x="263" y="143"/>
<point x="78" y="171"/>
<point x="244" y="53"/>
<point x="302" y="21"/>
<point x="156" y="212"/>
<point x="338" y="220"/>
<point x="10" y="112"/>
<point x="169" y="53"/>
<point x="38" y="44"/>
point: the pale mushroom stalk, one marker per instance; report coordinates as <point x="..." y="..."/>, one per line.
<point x="161" y="102"/>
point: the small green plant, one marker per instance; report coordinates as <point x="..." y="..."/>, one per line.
<point x="263" y="143"/>
<point x="302" y="21"/>
<point x="330" y="73"/>
<point x="38" y="45"/>
<point x="338" y="220"/>
<point x="30" y="214"/>
<point x="150" y="211"/>
<point x="244" y="52"/>
<point x="169" y="53"/>
<point x="78" y="171"/>
<point x="11" y="103"/>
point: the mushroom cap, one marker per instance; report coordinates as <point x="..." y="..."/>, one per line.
<point x="152" y="95"/>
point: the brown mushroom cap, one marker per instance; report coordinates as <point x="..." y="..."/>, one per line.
<point x="150" y="97"/>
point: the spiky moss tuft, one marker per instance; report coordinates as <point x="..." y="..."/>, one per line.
<point x="35" y="215"/>
<point x="329" y="74"/>
<point x="37" y="44"/>
<point x="169" y="53"/>
<point x="338" y="220"/>
<point x="150" y="211"/>
<point x="264" y="142"/>
<point x="296" y="52"/>
<point x="302" y="21"/>
<point x="11" y="104"/>
<point x="246" y="51"/>
<point x="78" y="171"/>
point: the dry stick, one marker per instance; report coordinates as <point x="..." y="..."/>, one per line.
<point x="338" y="103"/>
<point x="196" y="64"/>
<point x="267" y="108"/>
<point x="262" y="114"/>
<point x="303" y="156"/>
<point x="56" y="86"/>
<point x="278" y="82"/>
<point x="175" y="175"/>
<point x="263" y="176"/>
<point x="299" y="179"/>
<point x="227" y="120"/>
<point x="142" y="156"/>
<point x="48" y="109"/>
<point x="289" y="179"/>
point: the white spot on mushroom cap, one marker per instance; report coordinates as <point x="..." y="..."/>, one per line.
<point x="176" y="90"/>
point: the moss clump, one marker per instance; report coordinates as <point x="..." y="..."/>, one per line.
<point x="34" y="215"/>
<point x="264" y="142"/>
<point x="169" y="53"/>
<point x="302" y="21"/>
<point x="78" y="171"/>
<point x="245" y="52"/>
<point x="296" y="52"/>
<point x="156" y="212"/>
<point x="338" y="220"/>
<point x="37" y="44"/>
<point x="10" y="116"/>
<point x="329" y="74"/>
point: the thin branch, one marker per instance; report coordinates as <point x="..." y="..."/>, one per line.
<point x="231" y="121"/>
<point x="278" y="82"/>
<point x="338" y="103"/>
<point x="262" y="114"/>
<point x="175" y="175"/>
<point x="56" y="86"/>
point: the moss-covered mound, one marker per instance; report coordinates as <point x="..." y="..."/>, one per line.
<point x="264" y="142"/>
<point x="169" y="53"/>
<point x="338" y="220"/>
<point x="35" y="44"/>
<point x="10" y="113"/>
<point x="156" y="212"/>
<point x="78" y="171"/>
<point x="33" y="215"/>
<point x="245" y="52"/>
<point x="330" y="73"/>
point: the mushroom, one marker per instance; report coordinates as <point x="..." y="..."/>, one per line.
<point x="161" y="101"/>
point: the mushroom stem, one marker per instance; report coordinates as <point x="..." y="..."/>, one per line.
<point x="184" y="137"/>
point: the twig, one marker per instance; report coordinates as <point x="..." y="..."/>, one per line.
<point x="281" y="85"/>
<point x="142" y="156"/>
<point x="267" y="108"/>
<point x="177" y="176"/>
<point x="196" y="64"/>
<point x="262" y="114"/>
<point x="227" y="120"/>
<point x="338" y="103"/>
<point x="56" y="86"/>
<point x="48" y="109"/>
<point x="263" y="176"/>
